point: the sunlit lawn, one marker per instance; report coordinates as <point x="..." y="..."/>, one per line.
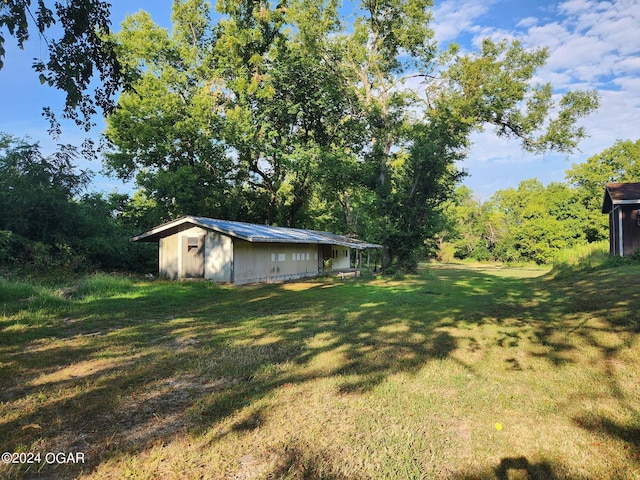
<point x="459" y="372"/>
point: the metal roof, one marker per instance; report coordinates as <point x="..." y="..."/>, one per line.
<point x="252" y="232"/>
<point x="620" y="194"/>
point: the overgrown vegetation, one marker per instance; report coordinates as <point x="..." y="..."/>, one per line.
<point x="50" y="226"/>
<point x="364" y="378"/>
<point x="297" y="116"/>
<point x="533" y="222"/>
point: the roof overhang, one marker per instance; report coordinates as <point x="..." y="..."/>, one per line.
<point x="616" y="194"/>
<point x="164" y="230"/>
<point x="253" y="233"/>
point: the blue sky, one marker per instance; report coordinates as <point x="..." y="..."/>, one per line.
<point x="593" y="45"/>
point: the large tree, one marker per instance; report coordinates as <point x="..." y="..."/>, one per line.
<point x="237" y="107"/>
<point x="166" y="132"/>
<point x="80" y="51"/>
<point x="392" y="46"/>
<point x="314" y="114"/>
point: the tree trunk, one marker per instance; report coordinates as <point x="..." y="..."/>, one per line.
<point x="387" y="257"/>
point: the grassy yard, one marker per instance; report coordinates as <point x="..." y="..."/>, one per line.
<point x="460" y="372"/>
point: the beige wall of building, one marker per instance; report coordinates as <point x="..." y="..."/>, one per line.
<point x="168" y="253"/>
<point x="341" y="257"/>
<point x="171" y="252"/>
<point x="238" y="261"/>
<point x="218" y="257"/>
<point x="268" y="262"/>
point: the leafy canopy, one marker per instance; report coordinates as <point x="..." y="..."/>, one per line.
<point x="288" y="113"/>
<point x="82" y="52"/>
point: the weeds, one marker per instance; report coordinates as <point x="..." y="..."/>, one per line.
<point x="372" y="378"/>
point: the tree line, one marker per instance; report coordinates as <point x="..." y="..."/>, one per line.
<point x="52" y="224"/>
<point x="290" y="114"/>
<point x="533" y="222"/>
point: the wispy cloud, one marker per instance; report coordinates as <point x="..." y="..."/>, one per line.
<point x="454" y="18"/>
<point x="592" y="45"/>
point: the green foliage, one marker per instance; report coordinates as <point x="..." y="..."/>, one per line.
<point x="618" y="163"/>
<point x="162" y="130"/>
<point x="35" y="198"/>
<point x="540" y="219"/>
<point x="34" y="190"/>
<point x="48" y="225"/>
<point x="285" y="115"/>
<point x="13" y="291"/>
<point x="538" y="223"/>
<point x="467" y="228"/>
<point x="82" y="52"/>
<point x="103" y="286"/>
<point x="495" y="87"/>
<point x="531" y="223"/>
<point x="582" y="258"/>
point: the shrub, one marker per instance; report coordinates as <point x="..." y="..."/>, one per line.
<point x="446" y="253"/>
<point x="583" y="257"/>
<point x="103" y="285"/>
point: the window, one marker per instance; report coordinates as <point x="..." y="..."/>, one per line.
<point x="192" y="242"/>
<point x="282" y="257"/>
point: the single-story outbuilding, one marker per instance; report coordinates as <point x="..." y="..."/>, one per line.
<point x="237" y="252"/>
<point x="622" y="203"/>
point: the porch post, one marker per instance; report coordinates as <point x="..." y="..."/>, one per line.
<point x="620" y="239"/>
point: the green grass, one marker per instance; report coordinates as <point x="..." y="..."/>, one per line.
<point x="364" y="378"/>
<point x="583" y="257"/>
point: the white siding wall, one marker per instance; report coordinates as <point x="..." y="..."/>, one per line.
<point x="269" y="262"/>
<point x="342" y="258"/>
<point x="169" y="254"/>
<point x="218" y="260"/>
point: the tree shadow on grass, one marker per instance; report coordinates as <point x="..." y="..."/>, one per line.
<point x="217" y="351"/>
<point x="191" y="368"/>
<point x="296" y="463"/>
<point x="515" y="468"/>
<point x="602" y="424"/>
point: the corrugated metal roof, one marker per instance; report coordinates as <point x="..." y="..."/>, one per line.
<point x="252" y="232"/>
<point x="620" y="194"/>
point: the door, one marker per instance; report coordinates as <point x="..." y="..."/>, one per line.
<point x="193" y="257"/>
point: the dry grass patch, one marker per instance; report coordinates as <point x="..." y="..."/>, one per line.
<point x="330" y="379"/>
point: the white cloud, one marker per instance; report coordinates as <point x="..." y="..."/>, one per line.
<point x="453" y="18"/>
<point x="551" y="35"/>
<point x="527" y="22"/>
<point x="630" y="84"/>
<point x="592" y="45"/>
<point x="577" y="7"/>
